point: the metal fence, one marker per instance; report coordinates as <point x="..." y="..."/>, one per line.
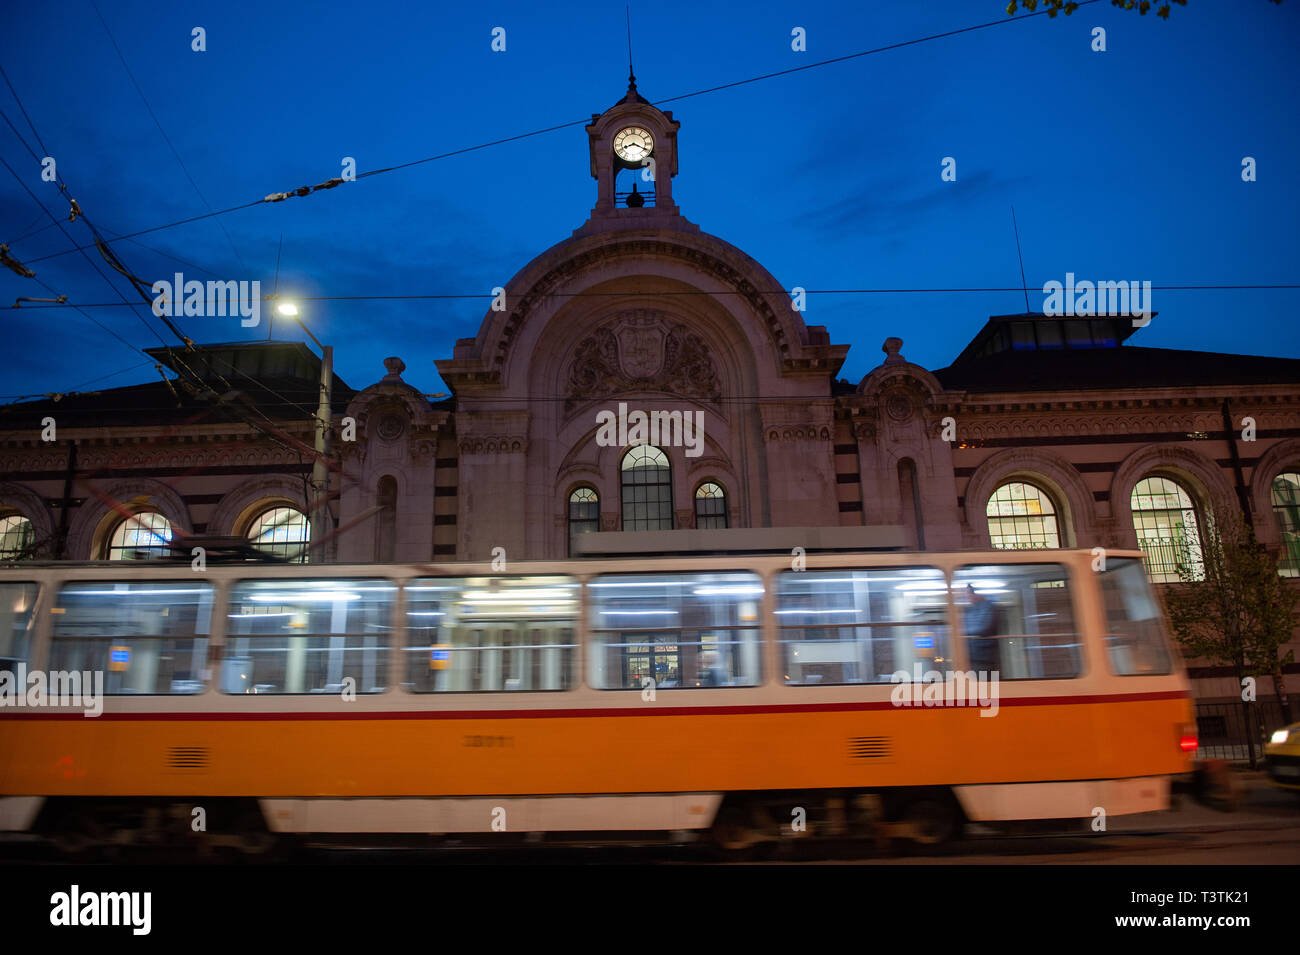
<point x="1222" y="729"/>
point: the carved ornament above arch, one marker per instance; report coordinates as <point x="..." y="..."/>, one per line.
<point x="641" y="350"/>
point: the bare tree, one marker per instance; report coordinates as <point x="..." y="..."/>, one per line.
<point x="1053" y="7"/>
<point x="1233" y="609"/>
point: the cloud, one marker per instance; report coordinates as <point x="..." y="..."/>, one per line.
<point x="884" y="211"/>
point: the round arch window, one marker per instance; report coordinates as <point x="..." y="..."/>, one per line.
<point x="143" y="536"/>
<point x="647" y="490"/>
<point x="584" y="513"/>
<point x="16" y="535"/>
<point x="1286" y="510"/>
<point x="1022" y="517"/>
<point x="283" y="532"/>
<point x="1168" y="532"/>
<point x="710" y="506"/>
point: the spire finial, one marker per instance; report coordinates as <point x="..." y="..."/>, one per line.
<point x="631" y="76"/>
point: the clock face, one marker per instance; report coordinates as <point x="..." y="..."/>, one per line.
<point x="633" y="144"/>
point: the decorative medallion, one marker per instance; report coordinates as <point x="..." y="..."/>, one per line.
<point x="898" y="406"/>
<point x="390" y="427"/>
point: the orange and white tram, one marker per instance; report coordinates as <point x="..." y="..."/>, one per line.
<point x="691" y="693"/>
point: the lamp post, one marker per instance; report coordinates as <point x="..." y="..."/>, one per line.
<point x="324" y="417"/>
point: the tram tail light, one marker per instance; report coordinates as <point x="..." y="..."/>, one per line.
<point x="1187" y="740"/>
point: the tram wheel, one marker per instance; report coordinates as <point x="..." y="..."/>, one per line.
<point x="255" y="838"/>
<point x="79" y="835"/>
<point x="931" y="821"/>
<point x="732" y="831"/>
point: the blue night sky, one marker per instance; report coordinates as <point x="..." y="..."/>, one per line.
<point x="1121" y="165"/>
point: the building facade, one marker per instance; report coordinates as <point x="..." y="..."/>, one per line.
<point x="1043" y="432"/>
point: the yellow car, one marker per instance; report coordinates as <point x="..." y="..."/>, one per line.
<point x="1283" y="754"/>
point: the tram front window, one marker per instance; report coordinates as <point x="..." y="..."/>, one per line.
<point x="1135" y="639"/>
<point x="681" y="631"/>
<point x="17" y="623"/>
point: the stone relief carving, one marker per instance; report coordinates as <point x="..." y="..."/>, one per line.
<point x="494" y="444"/>
<point x="809" y="433"/>
<point x="642" y="351"/>
<point x="898" y="406"/>
<point x="391" y="427"/>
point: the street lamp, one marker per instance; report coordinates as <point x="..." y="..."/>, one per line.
<point x="324" y="418"/>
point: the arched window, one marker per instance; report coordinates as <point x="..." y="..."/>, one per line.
<point x="1167" y="530"/>
<point x="1022" y="517"/>
<point x="1286" y="508"/>
<point x="141" y="536"/>
<point x="710" y="506"/>
<point x="16" y="533"/>
<point x="647" y="490"/>
<point x="584" y="514"/>
<point x="282" y="531"/>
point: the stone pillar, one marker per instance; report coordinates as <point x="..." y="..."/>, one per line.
<point x="798" y="444"/>
<point x="492" y="509"/>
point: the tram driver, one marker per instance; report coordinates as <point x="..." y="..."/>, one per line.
<point x="982" y="624"/>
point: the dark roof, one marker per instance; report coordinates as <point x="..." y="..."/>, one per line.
<point x="1127" y="366"/>
<point x="279" y="379"/>
<point x="992" y="336"/>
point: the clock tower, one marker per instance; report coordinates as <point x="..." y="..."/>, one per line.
<point x="633" y="148"/>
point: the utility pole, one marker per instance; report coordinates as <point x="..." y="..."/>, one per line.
<point x="320" y="474"/>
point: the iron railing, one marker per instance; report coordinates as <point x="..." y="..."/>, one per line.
<point x="1223" y="730"/>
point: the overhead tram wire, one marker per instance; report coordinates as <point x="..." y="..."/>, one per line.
<point x="331" y="183"/>
<point x="196" y="384"/>
<point x="25" y="233"/>
<point x="77" y="210"/>
<point x="167" y="139"/>
<point x="76" y="389"/>
<point x="88" y="259"/>
<point x="187" y="375"/>
<point x="101" y="245"/>
<point x="687" y="292"/>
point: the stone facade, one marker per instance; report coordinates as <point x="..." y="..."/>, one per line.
<point x="640" y="307"/>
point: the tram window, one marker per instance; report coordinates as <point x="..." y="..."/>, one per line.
<point x="309" y="635"/>
<point x="860" y="626"/>
<point x="1135" y="639"/>
<point x="692" y="631"/>
<point x="482" y="634"/>
<point x="1018" y="619"/>
<point x="147" y="637"/>
<point x="17" y="622"/>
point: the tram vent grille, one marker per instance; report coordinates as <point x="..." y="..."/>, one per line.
<point x="187" y="757"/>
<point x="869" y="747"/>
